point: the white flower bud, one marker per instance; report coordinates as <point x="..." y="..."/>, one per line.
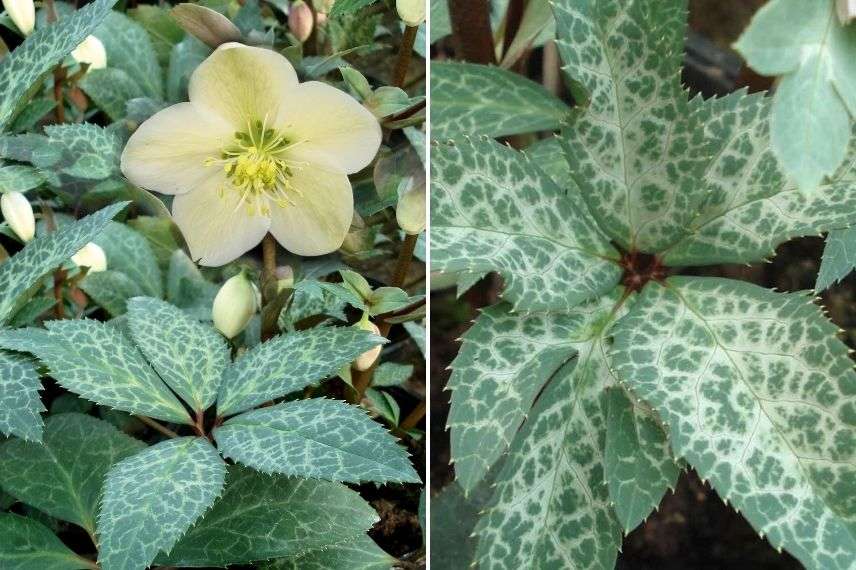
<point x="410" y="213"/>
<point x="23" y="13"/>
<point x="91" y="256"/>
<point x="235" y="304"/>
<point x="366" y="359"/>
<point x="411" y="12"/>
<point x="19" y="215"/>
<point x="91" y="51"/>
<point x="300" y="21"/>
<point x="284" y="278"/>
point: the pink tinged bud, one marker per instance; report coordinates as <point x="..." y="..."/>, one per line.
<point x="300" y="21"/>
<point x="19" y="215"/>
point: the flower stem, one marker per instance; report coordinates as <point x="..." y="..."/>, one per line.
<point x="413" y="417"/>
<point x="157" y="426"/>
<point x="471" y="33"/>
<point x="402" y="65"/>
<point x="405" y="256"/>
<point x="268" y="283"/>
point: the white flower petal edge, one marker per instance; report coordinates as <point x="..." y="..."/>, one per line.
<point x="329" y="126"/>
<point x="167" y="153"/>
<point x="242" y="83"/>
<point x="321" y="215"/>
<point x="218" y="229"/>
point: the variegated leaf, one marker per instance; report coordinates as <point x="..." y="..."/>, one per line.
<point x="20" y="404"/>
<point x="493" y="209"/>
<point x="26" y="544"/>
<point x="760" y="397"/>
<point x="152" y="498"/>
<point x="359" y="554"/>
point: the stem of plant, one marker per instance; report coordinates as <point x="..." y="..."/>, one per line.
<point x="267" y="281"/>
<point x="413" y="417"/>
<point x="157" y="426"/>
<point x="404" y="53"/>
<point x="471" y="32"/>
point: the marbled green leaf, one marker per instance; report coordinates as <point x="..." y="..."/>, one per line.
<point x="45" y="48"/>
<point x="20" y="404"/>
<point x="806" y="44"/>
<point x="839" y="258"/>
<point x="505" y="360"/>
<point x="63" y="477"/>
<point x="318" y="438"/>
<point x="111" y="89"/>
<point x="93" y="152"/>
<point x="26" y="544"/>
<point x="152" y="498"/>
<point x="260" y="517"/>
<point x="97" y="361"/>
<point x="19" y="178"/>
<point x="551" y="508"/>
<point x="188" y="355"/>
<point x="471" y="99"/>
<point x="493" y="209"/>
<point x="550" y="157"/>
<point x="359" y="554"/>
<point x="288" y="363"/>
<point x="129" y="252"/>
<point x="45" y="253"/>
<point x="639" y="467"/>
<point x="760" y="398"/>
<point x="111" y="290"/>
<point x="129" y="48"/>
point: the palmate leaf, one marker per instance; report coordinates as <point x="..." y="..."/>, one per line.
<point x="26" y="544"/>
<point x="695" y="179"/>
<point x="22" y="68"/>
<point x="505" y="360"/>
<point x="99" y="362"/>
<point x="804" y="42"/>
<point x="20" y="404"/>
<point x="288" y="363"/>
<point x="323" y="439"/>
<point x="152" y="498"/>
<point x="551" y="507"/>
<point x="189" y="356"/>
<point x="495" y="210"/>
<point x="639" y="466"/>
<point x="63" y="477"/>
<point x="45" y="253"/>
<point x="760" y="398"/>
<point x="470" y="99"/>
<point x="260" y="517"/>
<point x="359" y="554"/>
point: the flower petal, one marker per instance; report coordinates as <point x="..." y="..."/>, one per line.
<point x="321" y="215"/>
<point x="167" y="153"/>
<point x="331" y="127"/>
<point x="242" y="83"/>
<point x="217" y="229"/>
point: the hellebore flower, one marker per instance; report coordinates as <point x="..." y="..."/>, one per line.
<point x="254" y="151"/>
<point x="91" y="51"/>
<point x="18" y="213"/>
<point x="91" y="256"/>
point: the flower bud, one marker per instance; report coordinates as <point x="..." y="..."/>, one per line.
<point x="410" y="213"/>
<point x="23" y="13"/>
<point x="91" y="51"/>
<point x="235" y="304"/>
<point x="284" y="278"/>
<point x="411" y="12"/>
<point x="19" y="215"/>
<point x="300" y="21"/>
<point x="366" y="359"/>
<point x="91" y="256"/>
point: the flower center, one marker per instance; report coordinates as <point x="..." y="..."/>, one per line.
<point x="257" y="168"/>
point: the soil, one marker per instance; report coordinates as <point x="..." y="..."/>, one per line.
<point x="693" y="528"/>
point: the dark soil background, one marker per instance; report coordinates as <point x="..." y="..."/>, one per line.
<point x="693" y="528"/>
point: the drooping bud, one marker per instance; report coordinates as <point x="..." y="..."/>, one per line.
<point x="300" y="20"/>
<point x="19" y="215"/>
<point x="284" y="277"/>
<point x="235" y="304"/>
<point x="410" y="213"/>
<point x="366" y="359"/>
<point x="91" y="256"/>
<point x="23" y="13"/>
<point x="91" y="51"/>
<point x="207" y="25"/>
<point x="411" y="12"/>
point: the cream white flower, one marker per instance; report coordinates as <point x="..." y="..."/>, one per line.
<point x="91" y="256"/>
<point x="411" y="12"/>
<point x="91" y="51"/>
<point x="366" y="359"/>
<point x="18" y="213"/>
<point x="254" y="151"/>
<point x="410" y="213"/>
<point x="23" y="13"/>
<point x="235" y="304"/>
